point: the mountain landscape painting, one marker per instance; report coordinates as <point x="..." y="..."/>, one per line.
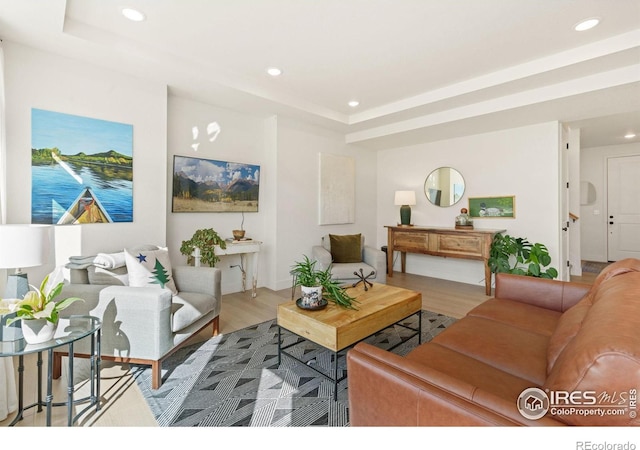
<point x="81" y="169"/>
<point x="206" y="185"/>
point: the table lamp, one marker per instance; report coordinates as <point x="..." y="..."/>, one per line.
<point x="404" y="199"/>
<point x="22" y="246"/>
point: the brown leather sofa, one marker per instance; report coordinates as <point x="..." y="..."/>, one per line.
<point x="576" y="344"/>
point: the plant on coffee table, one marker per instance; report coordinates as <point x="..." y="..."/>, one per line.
<point x="306" y="274"/>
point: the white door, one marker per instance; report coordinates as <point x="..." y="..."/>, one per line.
<point x="623" y="207"/>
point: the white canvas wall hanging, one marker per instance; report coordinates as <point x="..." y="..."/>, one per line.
<point x="337" y="189"/>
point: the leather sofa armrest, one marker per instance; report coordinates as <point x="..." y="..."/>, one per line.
<point x="322" y="255"/>
<point x="542" y="292"/>
<point x="386" y="389"/>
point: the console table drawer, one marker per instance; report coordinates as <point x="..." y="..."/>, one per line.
<point x="411" y="242"/>
<point x="461" y="245"/>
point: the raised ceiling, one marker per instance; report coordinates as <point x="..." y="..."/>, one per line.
<point x="422" y="70"/>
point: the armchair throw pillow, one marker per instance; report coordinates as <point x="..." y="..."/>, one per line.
<point x="346" y="248"/>
<point x="148" y="268"/>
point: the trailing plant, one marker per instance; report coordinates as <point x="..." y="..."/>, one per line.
<point x="518" y="256"/>
<point x="306" y="274"/>
<point x="206" y="240"/>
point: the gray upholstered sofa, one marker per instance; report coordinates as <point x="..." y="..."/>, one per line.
<point x="143" y="325"/>
<point x="369" y="259"/>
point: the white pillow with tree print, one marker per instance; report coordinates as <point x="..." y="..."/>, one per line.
<point x="149" y="268"/>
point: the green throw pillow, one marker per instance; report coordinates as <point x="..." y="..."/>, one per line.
<point x="346" y="248"/>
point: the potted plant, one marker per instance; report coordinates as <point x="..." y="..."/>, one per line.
<point x="528" y="259"/>
<point x="317" y="285"/>
<point x="38" y="310"/>
<point x="205" y="240"/>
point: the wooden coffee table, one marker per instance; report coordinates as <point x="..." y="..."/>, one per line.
<point x="336" y="328"/>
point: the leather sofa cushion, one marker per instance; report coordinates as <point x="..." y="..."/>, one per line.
<point x="571" y="321"/>
<point x="515" y="351"/>
<point x="470" y="370"/>
<point x="568" y="326"/>
<point x="521" y="315"/>
<point x="188" y="307"/>
<point x="604" y="355"/>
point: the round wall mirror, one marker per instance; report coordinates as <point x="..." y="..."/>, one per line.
<point x="444" y="186"/>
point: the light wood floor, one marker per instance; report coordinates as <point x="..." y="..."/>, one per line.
<point x="122" y="402"/>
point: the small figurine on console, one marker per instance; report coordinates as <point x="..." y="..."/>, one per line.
<point x="463" y="222"/>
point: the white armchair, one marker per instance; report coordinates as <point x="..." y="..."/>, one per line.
<point x="363" y="257"/>
<point x="144" y="325"/>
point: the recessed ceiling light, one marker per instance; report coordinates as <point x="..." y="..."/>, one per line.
<point x="629" y="135"/>
<point x="133" y="14"/>
<point x="354" y="103"/>
<point x="586" y="24"/>
<point x="274" y="71"/>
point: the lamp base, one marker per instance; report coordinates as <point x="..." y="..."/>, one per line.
<point x="405" y="215"/>
<point x="17" y="286"/>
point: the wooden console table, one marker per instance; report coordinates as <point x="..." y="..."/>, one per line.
<point x="452" y="242"/>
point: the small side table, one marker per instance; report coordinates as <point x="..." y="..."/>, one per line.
<point x="69" y="331"/>
<point x="248" y="248"/>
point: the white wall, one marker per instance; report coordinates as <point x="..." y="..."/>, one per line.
<point x="521" y="161"/>
<point x="593" y="217"/>
<point x="35" y="79"/>
<point x="298" y="147"/>
<point x="241" y="139"/>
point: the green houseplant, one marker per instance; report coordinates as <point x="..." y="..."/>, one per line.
<point x="518" y="256"/>
<point x="307" y="275"/>
<point x="206" y="240"/>
<point x="38" y="310"/>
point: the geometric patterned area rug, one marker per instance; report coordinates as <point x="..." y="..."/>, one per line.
<point x="234" y="380"/>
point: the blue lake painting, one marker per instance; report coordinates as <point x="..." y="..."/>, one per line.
<point x="81" y="169"/>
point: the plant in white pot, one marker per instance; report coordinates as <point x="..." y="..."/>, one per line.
<point x="316" y="285"/>
<point x="38" y="310"/>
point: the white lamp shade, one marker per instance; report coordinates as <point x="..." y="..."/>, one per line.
<point x="24" y="245"/>
<point x="405" y="198"/>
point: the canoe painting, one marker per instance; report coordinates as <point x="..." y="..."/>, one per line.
<point x="85" y="209"/>
<point x="72" y="153"/>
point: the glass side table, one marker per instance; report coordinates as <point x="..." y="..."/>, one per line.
<point x="69" y="331"/>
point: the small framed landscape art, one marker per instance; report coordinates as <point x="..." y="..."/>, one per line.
<point x="493" y="206"/>
<point x="208" y="185"/>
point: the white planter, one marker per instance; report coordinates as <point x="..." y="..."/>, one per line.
<point x="37" y="331"/>
<point x="311" y="296"/>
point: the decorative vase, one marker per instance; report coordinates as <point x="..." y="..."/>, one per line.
<point x="37" y="331"/>
<point x="238" y="234"/>
<point x="311" y="296"/>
